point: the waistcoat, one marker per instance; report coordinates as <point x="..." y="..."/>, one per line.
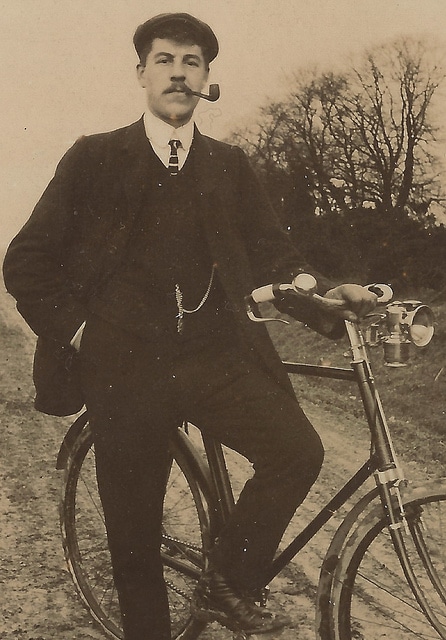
<point x="167" y="251"/>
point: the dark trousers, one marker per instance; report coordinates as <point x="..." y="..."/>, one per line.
<point x="137" y="393"/>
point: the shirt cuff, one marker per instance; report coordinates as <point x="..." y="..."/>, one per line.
<point x="76" y="339"/>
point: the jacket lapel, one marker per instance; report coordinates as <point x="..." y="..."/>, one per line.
<point x="207" y="164"/>
<point x="134" y="168"/>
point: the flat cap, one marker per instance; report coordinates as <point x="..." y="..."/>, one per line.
<point x="204" y="34"/>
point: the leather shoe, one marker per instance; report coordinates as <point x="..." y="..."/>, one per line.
<point x="215" y="600"/>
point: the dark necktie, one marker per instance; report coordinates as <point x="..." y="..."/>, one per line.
<point x="173" y="158"/>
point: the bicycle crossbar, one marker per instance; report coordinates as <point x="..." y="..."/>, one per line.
<point x="336" y="373"/>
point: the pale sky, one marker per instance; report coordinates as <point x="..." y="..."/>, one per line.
<point x="68" y="68"/>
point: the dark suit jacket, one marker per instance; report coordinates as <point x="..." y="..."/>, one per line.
<point x="78" y="233"/>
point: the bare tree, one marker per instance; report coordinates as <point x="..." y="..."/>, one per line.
<point x="359" y="139"/>
<point x="390" y="106"/>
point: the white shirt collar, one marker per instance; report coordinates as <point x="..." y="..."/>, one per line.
<point x="159" y="132"/>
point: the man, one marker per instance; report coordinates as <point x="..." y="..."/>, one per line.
<point x="137" y="259"/>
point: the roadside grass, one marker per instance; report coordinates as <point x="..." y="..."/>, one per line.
<point x="414" y="397"/>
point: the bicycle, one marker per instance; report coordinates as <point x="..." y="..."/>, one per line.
<point x="386" y="561"/>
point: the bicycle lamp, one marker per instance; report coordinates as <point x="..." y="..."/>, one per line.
<point x="408" y="322"/>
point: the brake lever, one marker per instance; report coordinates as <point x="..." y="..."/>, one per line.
<point x="251" y="315"/>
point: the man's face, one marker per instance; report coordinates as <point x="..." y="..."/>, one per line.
<point x="169" y="68"/>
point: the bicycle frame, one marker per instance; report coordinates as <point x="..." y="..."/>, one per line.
<point x="382" y="463"/>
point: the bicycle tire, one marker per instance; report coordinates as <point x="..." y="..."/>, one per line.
<point x="370" y="596"/>
<point x="186" y="537"/>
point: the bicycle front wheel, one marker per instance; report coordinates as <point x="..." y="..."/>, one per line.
<point x="371" y="596"/>
<point x="186" y="536"/>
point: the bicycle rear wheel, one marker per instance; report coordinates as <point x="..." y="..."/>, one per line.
<point x="371" y="598"/>
<point x="186" y="536"/>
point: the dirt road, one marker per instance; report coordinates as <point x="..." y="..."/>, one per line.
<point x="37" y="599"/>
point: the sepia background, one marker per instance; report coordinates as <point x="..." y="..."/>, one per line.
<point x="67" y="68"/>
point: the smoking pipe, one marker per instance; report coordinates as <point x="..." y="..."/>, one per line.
<point x="214" y="93"/>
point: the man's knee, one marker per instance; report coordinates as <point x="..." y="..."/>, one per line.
<point x="315" y="451"/>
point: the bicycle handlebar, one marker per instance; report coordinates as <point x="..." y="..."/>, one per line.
<point x="305" y="285"/>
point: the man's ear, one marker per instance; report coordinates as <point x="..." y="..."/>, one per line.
<point x="140" y="68"/>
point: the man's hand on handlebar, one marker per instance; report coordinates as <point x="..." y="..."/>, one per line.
<point x="359" y="301"/>
<point x="349" y="302"/>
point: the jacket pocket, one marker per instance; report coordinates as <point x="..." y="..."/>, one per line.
<point x="56" y="379"/>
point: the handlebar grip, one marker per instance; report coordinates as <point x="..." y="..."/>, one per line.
<point x="263" y="294"/>
<point x="383" y="291"/>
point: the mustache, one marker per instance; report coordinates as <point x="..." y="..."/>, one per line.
<point x="214" y="91"/>
<point x="178" y="87"/>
